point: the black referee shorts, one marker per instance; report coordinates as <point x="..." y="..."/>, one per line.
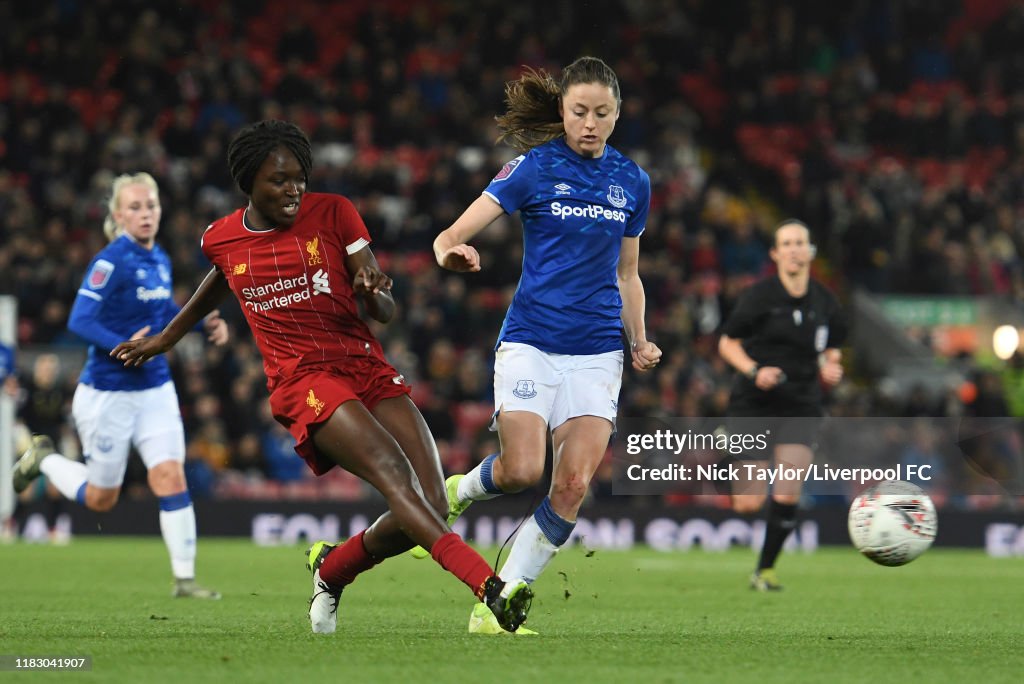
<point x="772" y="430"/>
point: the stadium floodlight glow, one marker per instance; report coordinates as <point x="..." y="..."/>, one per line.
<point x="1005" y="341"/>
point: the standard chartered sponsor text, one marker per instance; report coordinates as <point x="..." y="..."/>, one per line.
<point x="281" y="285"/>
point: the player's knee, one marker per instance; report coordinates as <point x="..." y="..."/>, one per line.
<point x="167" y="478"/>
<point x="101" y="501"/>
<point x="747" y="504"/>
<point x="786" y="499"/>
<point x="518" y="474"/>
<point x="438" y="500"/>
<point x="389" y="470"/>
<point x="570" y="491"/>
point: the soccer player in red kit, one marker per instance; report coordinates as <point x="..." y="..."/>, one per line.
<point x="298" y="262"/>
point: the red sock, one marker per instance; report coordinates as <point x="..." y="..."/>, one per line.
<point x="455" y="556"/>
<point x="342" y="564"/>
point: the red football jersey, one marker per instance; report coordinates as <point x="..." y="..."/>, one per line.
<point x="293" y="286"/>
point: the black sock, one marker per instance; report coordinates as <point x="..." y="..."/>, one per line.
<point x="18" y="516"/>
<point x="54" y="507"/>
<point x="781" y="521"/>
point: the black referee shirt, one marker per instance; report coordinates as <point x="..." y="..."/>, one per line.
<point x="777" y="329"/>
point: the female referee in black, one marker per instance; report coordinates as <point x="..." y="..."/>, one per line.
<point x="783" y="337"/>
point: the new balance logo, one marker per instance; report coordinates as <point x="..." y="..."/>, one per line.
<point x="239" y="269"/>
<point x="321" y="283"/>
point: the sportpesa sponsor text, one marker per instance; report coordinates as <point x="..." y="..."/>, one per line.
<point x="144" y="294"/>
<point x="591" y="211"/>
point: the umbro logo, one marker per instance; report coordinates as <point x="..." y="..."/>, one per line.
<point x="563" y="189"/>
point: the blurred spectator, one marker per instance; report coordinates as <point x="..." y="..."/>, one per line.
<point x="282" y="463"/>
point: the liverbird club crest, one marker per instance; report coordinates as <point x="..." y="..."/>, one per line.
<point x="313" y="248"/>
<point x="314" y="403"/>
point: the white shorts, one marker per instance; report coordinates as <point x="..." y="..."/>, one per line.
<point x="110" y="423"/>
<point x="556" y="387"/>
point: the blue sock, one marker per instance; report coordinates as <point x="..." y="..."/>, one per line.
<point x="178" y="528"/>
<point x="485" y="475"/>
<point x="556" y="528"/>
<point x="175" y="502"/>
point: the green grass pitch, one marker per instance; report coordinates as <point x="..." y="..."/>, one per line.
<point x="638" y="616"/>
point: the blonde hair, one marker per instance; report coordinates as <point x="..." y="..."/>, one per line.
<point x="110" y="227"/>
<point x="532" y="116"/>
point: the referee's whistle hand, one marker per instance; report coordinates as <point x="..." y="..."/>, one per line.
<point x="831" y="373"/>
<point x="768" y="377"/>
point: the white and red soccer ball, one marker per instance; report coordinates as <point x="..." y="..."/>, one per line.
<point x="892" y="522"/>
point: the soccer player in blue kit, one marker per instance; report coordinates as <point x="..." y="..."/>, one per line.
<point x="126" y="293"/>
<point x="559" y="357"/>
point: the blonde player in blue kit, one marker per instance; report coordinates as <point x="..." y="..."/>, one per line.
<point x="127" y="292"/>
<point x="558" y="361"/>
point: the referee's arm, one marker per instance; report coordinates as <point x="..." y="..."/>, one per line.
<point x="731" y="349"/>
<point x="830" y="366"/>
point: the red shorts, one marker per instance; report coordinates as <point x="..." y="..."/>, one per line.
<point x="311" y="396"/>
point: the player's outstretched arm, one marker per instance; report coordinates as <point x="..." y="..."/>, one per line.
<point x="371" y="284"/>
<point x="645" y="354"/>
<point x="211" y="292"/>
<point x="450" y="248"/>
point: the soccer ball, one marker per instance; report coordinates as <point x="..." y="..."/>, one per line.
<point x="892" y="522"/>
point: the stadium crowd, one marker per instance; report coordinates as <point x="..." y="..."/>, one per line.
<point x="895" y="128"/>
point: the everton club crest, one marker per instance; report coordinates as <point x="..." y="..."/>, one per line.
<point x="617" y="196"/>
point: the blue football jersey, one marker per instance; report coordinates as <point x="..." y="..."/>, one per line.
<point x="126" y="288"/>
<point x="575" y="213"/>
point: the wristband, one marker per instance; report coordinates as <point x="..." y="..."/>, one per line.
<point x="752" y="373"/>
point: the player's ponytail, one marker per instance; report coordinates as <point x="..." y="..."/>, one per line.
<point x="532" y="117"/>
<point x="110" y="226"/>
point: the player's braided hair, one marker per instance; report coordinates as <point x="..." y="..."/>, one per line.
<point x="253" y="143"/>
<point x="532" y="116"/>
